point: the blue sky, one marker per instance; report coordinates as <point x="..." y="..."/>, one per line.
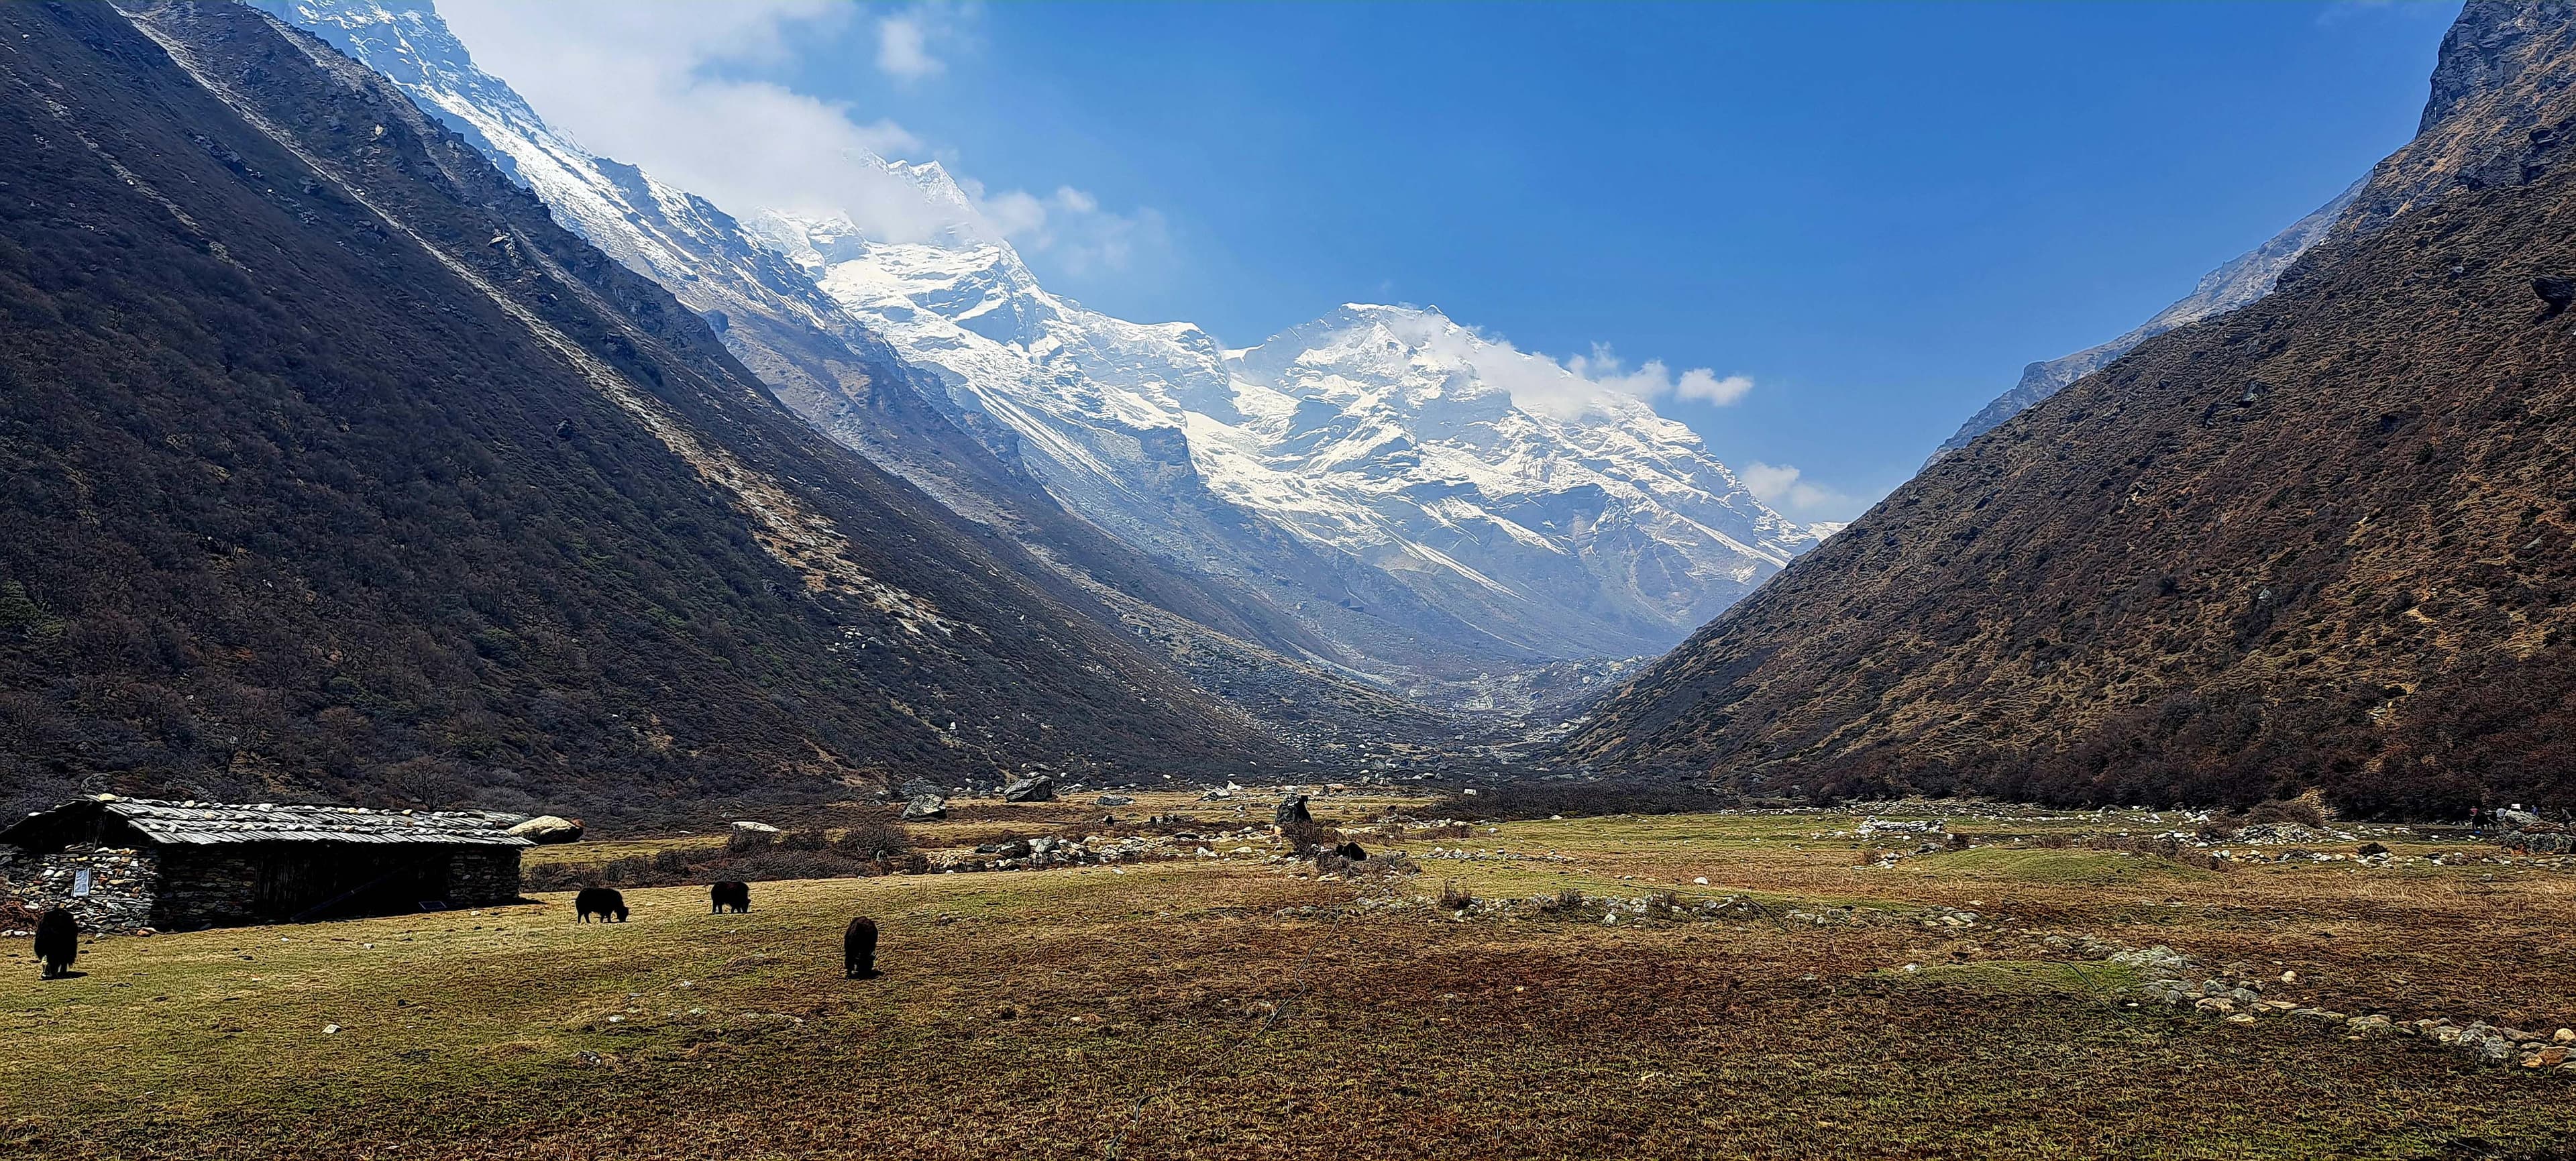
<point x="1877" y="212"/>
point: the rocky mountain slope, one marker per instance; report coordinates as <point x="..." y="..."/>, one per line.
<point x="1435" y="536"/>
<point x="2240" y="280"/>
<point x="2483" y="62"/>
<point x="2324" y="540"/>
<point x="1435" y="524"/>
<point x="838" y="374"/>
<point x="333" y="465"/>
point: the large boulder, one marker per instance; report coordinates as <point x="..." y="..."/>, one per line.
<point x="1034" y="788"/>
<point x="755" y="827"/>
<point x="923" y="807"/>
<point x="547" y="829"/>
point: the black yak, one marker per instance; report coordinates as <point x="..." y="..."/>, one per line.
<point x="600" y="901"/>
<point x="1352" y="851"/>
<point x="729" y="894"/>
<point x="58" y="942"/>
<point x="859" y="949"/>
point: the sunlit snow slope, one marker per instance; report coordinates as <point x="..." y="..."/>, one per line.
<point x="1367" y="491"/>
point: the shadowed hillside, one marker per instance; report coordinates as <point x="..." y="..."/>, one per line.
<point x="2322" y="541"/>
<point x="333" y="466"/>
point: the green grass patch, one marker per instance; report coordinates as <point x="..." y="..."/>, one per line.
<point x="2065" y="866"/>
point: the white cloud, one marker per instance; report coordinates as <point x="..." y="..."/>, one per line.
<point x="680" y="90"/>
<point x="1564" y="390"/>
<point x="1780" y="486"/>
<point x="1070" y="225"/>
<point x="1701" y="384"/>
<point x="1654" y="380"/>
<point x="903" y="48"/>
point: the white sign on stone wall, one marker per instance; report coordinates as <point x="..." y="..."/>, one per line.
<point x="80" y="883"/>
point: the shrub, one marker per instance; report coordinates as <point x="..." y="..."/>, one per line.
<point x="745" y="842"/>
<point x="2299" y="811"/>
<point x="878" y="836"/>
<point x="1304" y="837"/>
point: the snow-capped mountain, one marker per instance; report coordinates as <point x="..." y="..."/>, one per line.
<point x="1390" y="436"/>
<point x="1367" y="491"/>
<point x="2238" y="281"/>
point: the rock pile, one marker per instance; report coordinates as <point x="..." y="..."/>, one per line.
<point x="2278" y="833"/>
<point x="924" y="807"/>
<point x="2539" y="838"/>
<point x="2167" y="975"/>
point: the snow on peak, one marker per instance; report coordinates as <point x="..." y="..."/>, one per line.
<point x="1407" y="487"/>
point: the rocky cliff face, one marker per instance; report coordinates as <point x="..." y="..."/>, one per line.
<point x="2323" y="540"/>
<point x="335" y="466"/>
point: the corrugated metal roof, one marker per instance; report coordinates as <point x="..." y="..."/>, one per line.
<point x="213" y="823"/>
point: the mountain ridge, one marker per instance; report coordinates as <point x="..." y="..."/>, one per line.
<point x="2317" y="542"/>
<point x="844" y="379"/>
<point x="1115" y="421"/>
<point x="336" y="468"/>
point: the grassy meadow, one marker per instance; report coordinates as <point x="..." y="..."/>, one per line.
<point x="1244" y="1008"/>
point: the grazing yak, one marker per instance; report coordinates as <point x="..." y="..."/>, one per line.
<point x="58" y="942"/>
<point x="600" y="901"/>
<point x="859" y="949"/>
<point x="729" y="894"/>
<point x="1352" y="851"/>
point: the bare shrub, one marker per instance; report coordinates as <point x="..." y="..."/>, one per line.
<point x="881" y="836"/>
<point x="1454" y="897"/>
<point x="745" y="842"/>
<point x="804" y="840"/>
<point x="2299" y="811"/>
<point x="1304" y="837"/>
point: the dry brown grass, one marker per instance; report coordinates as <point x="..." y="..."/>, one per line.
<point x="1028" y="1014"/>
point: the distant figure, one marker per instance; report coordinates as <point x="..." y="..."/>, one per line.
<point x="58" y="942"/>
<point x="729" y="894"/>
<point x="859" y="949"/>
<point x="1352" y="851"/>
<point x="600" y="901"/>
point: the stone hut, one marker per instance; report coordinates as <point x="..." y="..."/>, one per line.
<point x="123" y="863"/>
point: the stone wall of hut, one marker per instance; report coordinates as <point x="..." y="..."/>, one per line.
<point x="480" y="875"/>
<point x="123" y="884"/>
<point x="207" y="886"/>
